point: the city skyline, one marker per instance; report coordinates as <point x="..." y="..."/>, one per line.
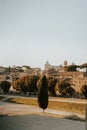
<point x="32" y="32"/>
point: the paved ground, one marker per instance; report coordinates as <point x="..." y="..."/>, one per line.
<point x="37" y="122"/>
<point x="20" y="109"/>
<point x="25" y="117"/>
<point x="11" y="108"/>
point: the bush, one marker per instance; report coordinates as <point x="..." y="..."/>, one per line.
<point x="5" y="85"/>
<point x="84" y="90"/>
<point x="65" y="89"/>
<point x="43" y="93"/>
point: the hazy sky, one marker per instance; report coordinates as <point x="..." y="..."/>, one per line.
<point x="34" y="31"/>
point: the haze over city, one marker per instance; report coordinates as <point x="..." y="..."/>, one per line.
<point x="34" y="31"/>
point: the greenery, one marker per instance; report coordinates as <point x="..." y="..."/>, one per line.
<point x="72" y="68"/>
<point x="32" y="85"/>
<point x="84" y="90"/>
<point x="5" y="86"/>
<point x="51" y="85"/>
<point x="84" y="66"/>
<point x="26" y="84"/>
<point x="65" y="89"/>
<point x="43" y="93"/>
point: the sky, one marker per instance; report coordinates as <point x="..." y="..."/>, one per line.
<point x="35" y="31"/>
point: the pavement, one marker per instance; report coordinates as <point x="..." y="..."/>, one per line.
<point x="25" y="117"/>
<point x="38" y="122"/>
<point x="20" y="109"/>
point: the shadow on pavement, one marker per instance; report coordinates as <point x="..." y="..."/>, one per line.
<point x="37" y="122"/>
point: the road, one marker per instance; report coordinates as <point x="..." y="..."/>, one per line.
<point x="38" y="122"/>
<point x="11" y="108"/>
<point x="25" y="117"/>
<point x="20" y="109"/>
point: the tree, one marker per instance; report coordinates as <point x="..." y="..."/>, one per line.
<point x="32" y="84"/>
<point x="84" y="66"/>
<point x="7" y="77"/>
<point x="72" y="68"/>
<point x="43" y="93"/>
<point x="51" y="85"/>
<point x="84" y="90"/>
<point x="26" y="84"/>
<point x="65" y="89"/>
<point x="5" y="85"/>
<point x="17" y="85"/>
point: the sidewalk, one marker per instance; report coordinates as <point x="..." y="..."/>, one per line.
<point x="20" y="109"/>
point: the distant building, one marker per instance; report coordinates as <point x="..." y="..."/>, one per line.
<point x="36" y="71"/>
<point x="2" y="70"/>
<point x="2" y="77"/>
<point x="48" y="66"/>
<point x="26" y="68"/>
<point x="65" y="63"/>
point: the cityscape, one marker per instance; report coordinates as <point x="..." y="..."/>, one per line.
<point x="77" y="76"/>
<point x="43" y="64"/>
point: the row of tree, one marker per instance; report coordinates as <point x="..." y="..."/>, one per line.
<point x="32" y="84"/>
<point x="26" y="84"/>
